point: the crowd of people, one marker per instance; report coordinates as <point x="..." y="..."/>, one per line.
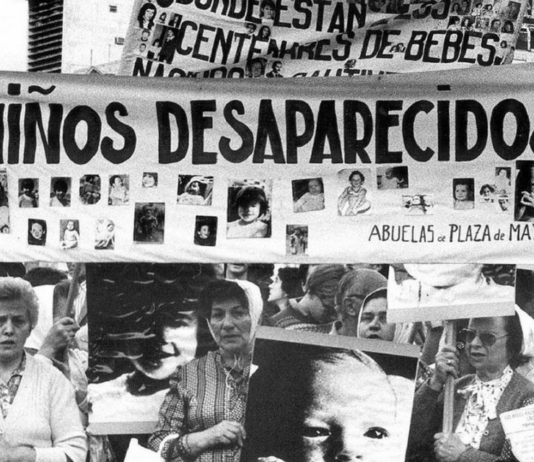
<point x="202" y="369"/>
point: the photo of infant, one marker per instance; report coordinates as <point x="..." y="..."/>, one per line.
<point x="60" y="192"/>
<point x="105" y="234"/>
<point x="296" y="239"/>
<point x="69" y="232"/>
<point x="463" y="194"/>
<point x="150" y="180"/>
<point x="28" y="193"/>
<point x="90" y="189"/>
<point x="119" y="193"/>
<point x="392" y="177"/>
<point x="149" y="222"/>
<point x="36" y="232"/>
<point x="195" y="190"/>
<point x="353" y="200"/>
<point x="308" y="195"/>
<point x="248" y="209"/>
<point x="205" y="231"/>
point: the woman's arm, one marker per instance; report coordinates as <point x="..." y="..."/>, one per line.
<point x="68" y="438"/>
<point x="225" y="433"/>
<point x="171" y="417"/>
<point x="189" y="445"/>
<point x="342" y="200"/>
<point x="10" y="453"/>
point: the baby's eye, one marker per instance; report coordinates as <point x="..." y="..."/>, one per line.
<point x="376" y="433"/>
<point x="316" y="432"/>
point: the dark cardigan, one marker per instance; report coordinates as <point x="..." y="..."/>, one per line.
<point x="427" y="418"/>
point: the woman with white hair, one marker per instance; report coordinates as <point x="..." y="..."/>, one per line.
<point x="39" y="420"/>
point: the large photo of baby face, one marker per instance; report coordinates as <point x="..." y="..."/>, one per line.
<point x="144" y="325"/>
<point x="322" y="401"/>
<point x="249" y="214"/>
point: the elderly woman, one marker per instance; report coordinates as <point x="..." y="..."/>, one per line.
<point x="493" y="347"/>
<point x="39" y="420"/>
<point x="205" y="406"/>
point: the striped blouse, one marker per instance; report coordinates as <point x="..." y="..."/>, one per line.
<point x="203" y="393"/>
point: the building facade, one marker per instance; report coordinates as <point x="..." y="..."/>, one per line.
<point x="70" y="35"/>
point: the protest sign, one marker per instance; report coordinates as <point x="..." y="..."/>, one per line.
<point x="96" y="169"/>
<point x="311" y="395"/>
<point x="519" y="428"/>
<point x="144" y="324"/>
<point x="304" y="38"/>
<point x="433" y="292"/>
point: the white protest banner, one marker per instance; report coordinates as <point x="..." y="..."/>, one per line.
<point x="304" y="38"/>
<point x="519" y="428"/>
<point x="375" y="170"/>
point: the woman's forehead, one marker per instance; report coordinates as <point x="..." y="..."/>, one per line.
<point x="229" y="304"/>
<point x="496" y="324"/>
<point x="12" y="308"/>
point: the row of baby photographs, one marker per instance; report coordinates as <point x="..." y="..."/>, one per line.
<point x="192" y="190"/>
<point x="162" y="28"/>
<point x="308" y="194"/>
<point x="149" y="227"/>
<point x="505" y="10"/>
<point x="148" y="16"/>
<point x="491" y="193"/>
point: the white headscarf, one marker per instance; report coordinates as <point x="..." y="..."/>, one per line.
<point x="527" y="326"/>
<point x="255" y="303"/>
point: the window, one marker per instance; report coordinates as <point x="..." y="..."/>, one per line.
<point x="112" y="8"/>
<point x="119" y="40"/>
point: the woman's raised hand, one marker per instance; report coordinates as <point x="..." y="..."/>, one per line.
<point x="447" y="362"/>
<point x="226" y="433"/>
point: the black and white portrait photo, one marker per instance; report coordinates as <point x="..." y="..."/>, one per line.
<point x="318" y="400"/>
<point x="144" y="325"/>
<point x="149" y="222"/>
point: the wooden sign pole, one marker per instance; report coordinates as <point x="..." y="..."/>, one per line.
<point x="449" y="332"/>
<point x="62" y="356"/>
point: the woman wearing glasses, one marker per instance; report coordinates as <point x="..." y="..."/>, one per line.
<point x="493" y="347"/>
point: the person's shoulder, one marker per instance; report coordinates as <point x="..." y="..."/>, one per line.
<point x="197" y="363"/>
<point x="522" y="383"/>
<point x="45" y="370"/>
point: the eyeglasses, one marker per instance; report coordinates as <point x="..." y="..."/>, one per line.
<point x="487" y="338"/>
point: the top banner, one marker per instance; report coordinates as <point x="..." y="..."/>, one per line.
<point x="339" y="170"/>
<point x="310" y="38"/>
